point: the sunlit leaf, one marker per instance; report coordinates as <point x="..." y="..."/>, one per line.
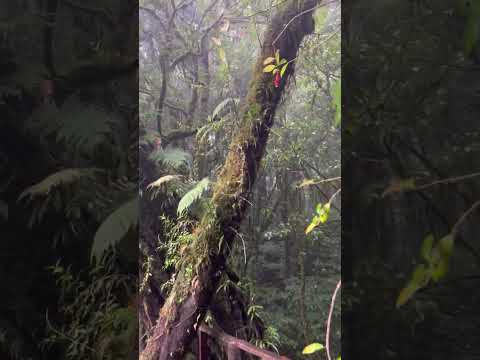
<point x="284" y="67"/>
<point x="312" y="348"/>
<point x="325" y="213"/>
<point x="268" y="68"/>
<point x="307" y="182"/>
<point x="268" y="60"/>
<point x="277" y="56"/>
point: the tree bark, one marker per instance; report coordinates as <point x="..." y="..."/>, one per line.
<point x="204" y="261"/>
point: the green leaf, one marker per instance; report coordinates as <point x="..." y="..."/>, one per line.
<point x="325" y="213"/>
<point x="445" y="245"/>
<point x="439" y="270"/>
<point x="312" y="225"/>
<point x="283" y="61"/>
<point x="307" y="182"/>
<point x="427" y="245"/>
<point x="269" y="60"/>
<point x="114" y="228"/>
<point x="194" y="194"/>
<point x="277" y="56"/>
<point x="268" y="68"/>
<point x="420" y="278"/>
<point x="284" y="67"/>
<point x="312" y="348"/>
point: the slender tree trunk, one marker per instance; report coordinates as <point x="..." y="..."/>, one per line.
<point x="204" y="262"/>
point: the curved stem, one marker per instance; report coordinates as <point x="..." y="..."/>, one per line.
<point x="329" y="321"/>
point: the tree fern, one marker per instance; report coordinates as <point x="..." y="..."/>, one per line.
<point x="114" y="228"/>
<point x="193" y="195"/>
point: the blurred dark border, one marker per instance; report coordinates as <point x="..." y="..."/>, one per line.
<point x="68" y="179"/>
<point x="410" y="164"/>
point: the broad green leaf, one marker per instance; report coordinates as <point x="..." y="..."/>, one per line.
<point x="277" y="56"/>
<point x="440" y="269"/>
<point x="268" y="68"/>
<point x="426" y="249"/>
<point x="283" y="61"/>
<point x="307" y="182"/>
<point x="319" y="209"/>
<point x="312" y="348"/>
<point x="310" y="228"/>
<point x="269" y="60"/>
<point x="114" y="228"/>
<point x="445" y="245"/>
<point x="325" y="213"/>
<point x="420" y="278"/>
<point x="284" y="67"/>
<point x="315" y="222"/>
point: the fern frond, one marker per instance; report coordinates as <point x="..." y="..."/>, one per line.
<point x="114" y="228"/>
<point x="60" y="178"/>
<point x="163" y="180"/>
<point x="173" y="157"/>
<point x="77" y="124"/>
<point x="226" y="106"/>
<point x="160" y="185"/>
<point x="193" y="195"/>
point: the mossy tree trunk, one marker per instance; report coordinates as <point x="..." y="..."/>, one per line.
<point x="204" y="262"/>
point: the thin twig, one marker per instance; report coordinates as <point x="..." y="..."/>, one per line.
<point x="462" y="218"/>
<point x="448" y="180"/>
<point x="329" y="320"/>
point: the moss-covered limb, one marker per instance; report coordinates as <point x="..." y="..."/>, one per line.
<point x="203" y="267"/>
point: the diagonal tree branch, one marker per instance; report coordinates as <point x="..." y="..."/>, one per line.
<point x="204" y="261"/>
